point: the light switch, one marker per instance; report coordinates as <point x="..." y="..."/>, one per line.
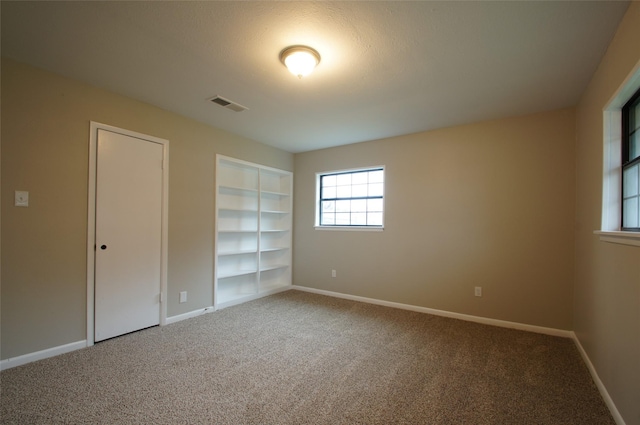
<point x="22" y="198"/>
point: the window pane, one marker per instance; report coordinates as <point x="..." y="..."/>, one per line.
<point x="343" y="206"/>
<point x="634" y="145"/>
<point x="631" y="174"/>
<point x="374" y="205"/>
<point x="343" y="179"/>
<point x="374" y="219"/>
<point x="359" y="219"/>
<point x="329" y="180"/>
<point x="376" y="176"/>
<point x="359" y="191"/>
<point x="630" y="213"/>
<point x="343" y="219"/>
<point x="328" y="218"/>
<point x="328" y="206"/>
<point x="329" y="192"/>
<point x="359" y="205"/>
<point x="634" y="117"/>
<point x="344" y="192"/>
<point x="347" y="198"/>
<point x="630" y="182"/>
<point x="375" y="189"/>
<point x="359" y="178"/>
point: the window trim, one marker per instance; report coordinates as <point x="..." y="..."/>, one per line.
<point x="318" y="201"/>
<point x="610" y="228"/>
<point x="626" y="162"/>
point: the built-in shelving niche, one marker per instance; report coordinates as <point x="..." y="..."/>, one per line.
<point x="253" y="231"/>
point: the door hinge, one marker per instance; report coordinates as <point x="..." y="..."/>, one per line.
<point x="161" y="300"/>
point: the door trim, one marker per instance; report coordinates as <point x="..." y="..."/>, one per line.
<point x="91" y="222"/>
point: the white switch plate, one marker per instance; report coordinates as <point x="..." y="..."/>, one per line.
<point x="333" y="273"/>
<point x="183" y="296"/>
<point x="22" y="198"/>
<point x="478" y="291"/>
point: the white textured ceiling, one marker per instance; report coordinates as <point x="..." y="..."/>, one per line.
<point x="387" y="68"/>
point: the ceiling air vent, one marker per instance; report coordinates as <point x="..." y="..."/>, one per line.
<point x="226" y="103"/>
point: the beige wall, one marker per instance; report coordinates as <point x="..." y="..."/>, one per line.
<point x="493" y="204"/>
<point x="489" y="204"/>
<point x="45" y="150"/>
<point x="607" y="295"/>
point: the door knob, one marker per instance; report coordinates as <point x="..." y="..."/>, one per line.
<point x="103" y="247"/>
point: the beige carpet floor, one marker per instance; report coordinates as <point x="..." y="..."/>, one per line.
<point x="300" y="358"/>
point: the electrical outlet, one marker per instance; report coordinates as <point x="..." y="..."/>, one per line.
<point x="478" y="291"/>
<point x="333" y="273"/>
<point x="21" y="198"/>
<point x="183" y="297"/>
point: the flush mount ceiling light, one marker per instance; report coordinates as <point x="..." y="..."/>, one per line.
<point x="300" y="60"/>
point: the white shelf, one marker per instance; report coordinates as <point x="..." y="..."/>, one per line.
<point x="273" y="267"/>
<point x="238" y="188"/>
<point x="235" y="273"/>
<point x="271" y="193"/>
<point x="273" y="249"/>
<point x="253" y="230"/>
<point x="239" y="210"/>
<point x="239" y="252"/>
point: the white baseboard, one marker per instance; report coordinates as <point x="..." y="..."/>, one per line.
<point x="189" y="315"/>
<point x="596" y="379"/>
<point x="195" y="313"/>
<point x="443" y="313"/>
<point x="54" y="351"/>
<point x="501" y="323"/>
<point x="43" y="354"/>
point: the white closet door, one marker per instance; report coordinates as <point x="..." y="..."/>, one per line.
<point x="128" y="234"/>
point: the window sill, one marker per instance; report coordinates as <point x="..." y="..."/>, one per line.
<point x="350" y="228"/>
<point x="619" y="237"/>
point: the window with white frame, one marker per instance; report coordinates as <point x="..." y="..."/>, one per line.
<point x="618" y="182"/>
<point x="631" y="164"/>
<point x="351" y="198"/>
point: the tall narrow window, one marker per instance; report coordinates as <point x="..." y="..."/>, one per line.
<point x="631" y="164"/>
<point x="353" y="198"/>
